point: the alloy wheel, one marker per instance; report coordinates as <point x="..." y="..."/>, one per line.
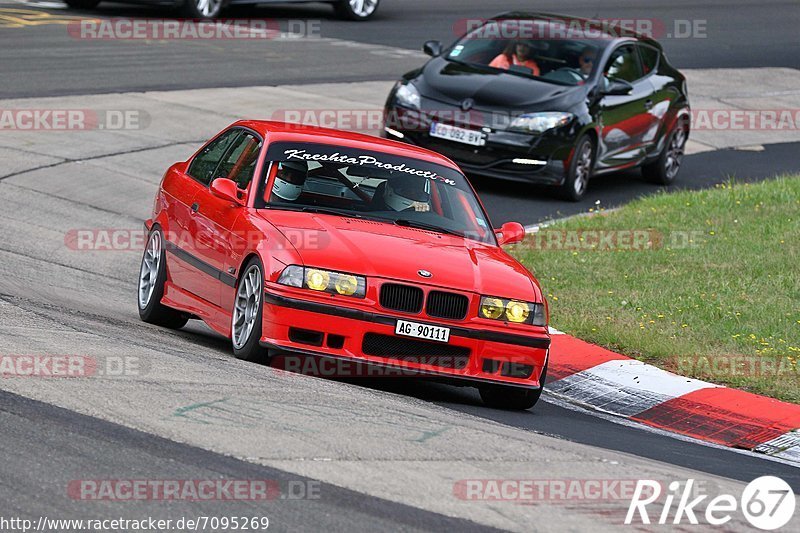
<point x="245" y="310"/>
<point x="149" y="270"/>
<point x="675" y="154"/>
<point x="363" y="8"/>
<point x="208" y="8"/>
<point x="583" y="169"/>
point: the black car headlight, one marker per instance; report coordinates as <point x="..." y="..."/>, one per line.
<point x="540" y="122"/>
<point x="321" y="280"/>
<point x="408" y="95"/>
<point x="515" y="311"/>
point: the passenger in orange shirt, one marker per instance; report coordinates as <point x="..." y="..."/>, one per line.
<point x="516" y="53"/>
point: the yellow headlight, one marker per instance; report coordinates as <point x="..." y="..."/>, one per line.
<point x="317" y="280"/>
<point x="346" y="284"/>
<point x="517" y="311"/>
<point x="492" y="308"/>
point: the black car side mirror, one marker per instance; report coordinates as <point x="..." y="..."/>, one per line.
<point x="432" y="48"/>
<point x="617" y="88"/>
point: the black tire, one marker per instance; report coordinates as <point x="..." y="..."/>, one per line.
<point x="82" y="4"/>
<point x="250" y="350"/>
<point x="154" y="312"/>
<point x="512" y="398"/>
<point x="346" y="10"/>
<point x="664" y="170"/>
<point x="191" y="9"/>
<point x="577" y="177"/>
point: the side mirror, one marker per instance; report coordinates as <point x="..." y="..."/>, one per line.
<point x="225" y="189"/>
<point x="510" y="233"/>
<point x="432" y="48"/>
<point x="617" y="88"/>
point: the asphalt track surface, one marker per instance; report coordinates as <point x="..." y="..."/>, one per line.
<point x="738" y="34"/>
<point x="36" y="433"/>
<point x="54" y="302"/>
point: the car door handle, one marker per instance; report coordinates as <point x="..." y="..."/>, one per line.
<point x="195" y="207"/>
<point x="648" y="105"/>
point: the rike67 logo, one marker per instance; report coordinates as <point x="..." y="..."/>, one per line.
<point x="767" y="503"/>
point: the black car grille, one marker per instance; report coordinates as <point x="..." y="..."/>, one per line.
<point x="416" y="351"/>
<point x="447" y="305"/>
<point x="408" y="299"/>
<point x="484" y="156"/>
<point x="403" y="298"/>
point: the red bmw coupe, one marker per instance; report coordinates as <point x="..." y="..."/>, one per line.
<point x="304" y="241"/>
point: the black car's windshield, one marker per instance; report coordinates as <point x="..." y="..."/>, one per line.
<point x="334" y="180"/>
<point x="549" y="50"/>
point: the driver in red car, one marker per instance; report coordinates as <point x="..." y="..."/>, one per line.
<point x="516" y="53"/>
<point x="289" y="180"/>
<point x="407" y="193"/>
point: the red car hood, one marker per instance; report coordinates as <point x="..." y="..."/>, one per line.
<point x="377" y="249"/>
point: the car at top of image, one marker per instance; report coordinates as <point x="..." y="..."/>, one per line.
<point x="547" y="99"/>
<point x="308" y="241"/>
<point x="211" y="9"/>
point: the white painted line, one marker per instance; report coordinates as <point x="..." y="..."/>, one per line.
<point x="625" y="387"/>
<point x="787" y="446"/>
<point x="533" y="228"/>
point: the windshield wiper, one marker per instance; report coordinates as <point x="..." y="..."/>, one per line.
<point x="329" y="211"/>
<point x="423" y="225"/>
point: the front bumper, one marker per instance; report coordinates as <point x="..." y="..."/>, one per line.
<point x="296" y="326"/>
<point x="496" y="159"/>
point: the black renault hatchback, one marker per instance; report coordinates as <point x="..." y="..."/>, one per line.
<point x="548" y="99"/>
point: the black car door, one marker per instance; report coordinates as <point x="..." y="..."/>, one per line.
<point x="624" y="120"/>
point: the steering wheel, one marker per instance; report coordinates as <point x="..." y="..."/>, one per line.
<point x="579" y="76"/>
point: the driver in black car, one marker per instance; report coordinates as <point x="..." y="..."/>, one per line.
<point x="587" y="60"/>
<point x="406" y="193"/>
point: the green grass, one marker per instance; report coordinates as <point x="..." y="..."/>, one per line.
<point x="731" y="295"/>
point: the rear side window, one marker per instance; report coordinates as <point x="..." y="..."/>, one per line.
<point x="624" y="64"/>
<point x="649" y="58"/>
<point x="203" y="166"/>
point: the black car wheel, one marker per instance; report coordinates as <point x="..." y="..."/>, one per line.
<point x="152" y="276"/>
<point x="580" y="170"/>
<point x="663" y="170"/>
<point x="82" y="4"/>
<point x="202" y="9"/>
<point x="356" y="9"/>
<point x="512" y="398"/>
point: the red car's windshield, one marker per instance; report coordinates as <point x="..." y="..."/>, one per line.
<point x="369" y="184"/>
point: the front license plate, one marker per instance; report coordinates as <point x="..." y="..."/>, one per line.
<point x="422" y="331"/>
<point x="460" y="135"/>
